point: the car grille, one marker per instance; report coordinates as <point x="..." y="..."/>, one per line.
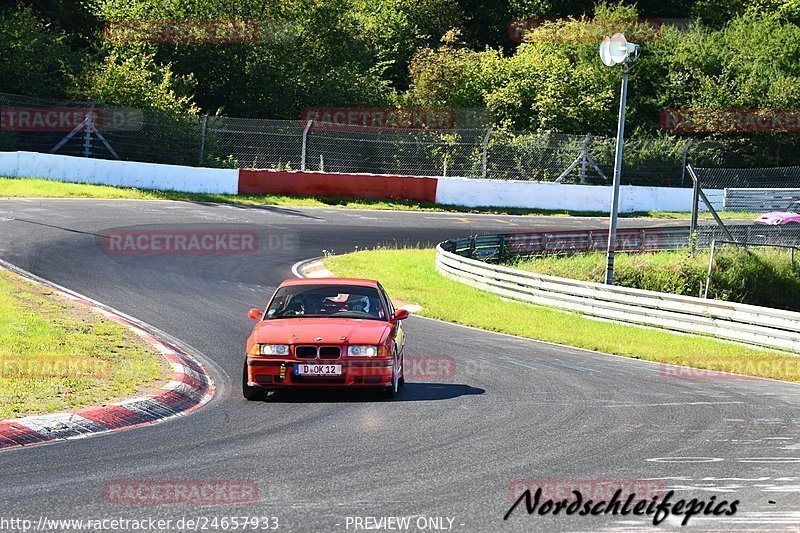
<point x="323" y="352"/>
<point x="330" y="352"/>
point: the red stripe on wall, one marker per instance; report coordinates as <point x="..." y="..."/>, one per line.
<point x="334" y="185"/>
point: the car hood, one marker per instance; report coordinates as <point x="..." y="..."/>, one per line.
<point x="332" y="331"/>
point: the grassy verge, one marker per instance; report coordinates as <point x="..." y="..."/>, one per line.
<point x="39" y="188"/>
<point x="410" y="275"/>
<point x="56" y="355"/>
<point x="757" y="276"/>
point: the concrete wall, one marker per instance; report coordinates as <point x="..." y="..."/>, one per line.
<point x="544" y="195"/>
<point x="119" y="173"/>
<point x="337" y="185"/>
<point x="468" y="192"/>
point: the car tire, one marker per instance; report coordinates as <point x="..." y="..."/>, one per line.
<point x="252" y="394"/>
<point x="402" y="379"/>
<point x="391" y="391"/>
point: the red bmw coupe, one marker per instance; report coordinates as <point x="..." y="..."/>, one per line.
<point x="325" y="332"/>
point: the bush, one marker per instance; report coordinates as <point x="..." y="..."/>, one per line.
<point x="35" y="59"/>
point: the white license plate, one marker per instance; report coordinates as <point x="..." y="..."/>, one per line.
<point x="304" y="369"/>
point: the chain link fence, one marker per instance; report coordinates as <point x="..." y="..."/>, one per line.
<point x="90" y="129"/>
<point x="747" y="206"/>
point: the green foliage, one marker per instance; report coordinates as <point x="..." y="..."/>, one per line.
<point x="35" y="58"/>
<point x="136" y="81"/>
<point x="754" y="276"/>
<point x="428" y="53"/>
<point x="395" y="29"/>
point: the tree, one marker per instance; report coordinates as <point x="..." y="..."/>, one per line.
<point x="35" y="59"/>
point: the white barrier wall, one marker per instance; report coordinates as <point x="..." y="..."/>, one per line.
<point x="119" y="173"/>
<point x="472" y="192"/>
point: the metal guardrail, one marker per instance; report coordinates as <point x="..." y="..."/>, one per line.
<point x="726" y="320"/>
<point x="497" y="248"/>
<point x="526" y="243"/>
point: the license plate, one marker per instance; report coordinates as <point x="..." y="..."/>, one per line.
<point x="304" y="369"/>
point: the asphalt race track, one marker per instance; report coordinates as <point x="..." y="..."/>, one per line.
<point x="514" y="410"/>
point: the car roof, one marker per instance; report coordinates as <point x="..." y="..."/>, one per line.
<point x="330" y="281"/>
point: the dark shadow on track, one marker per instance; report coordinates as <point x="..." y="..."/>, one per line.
<point x="411" y="392"/>
<point x="271" y="208"/>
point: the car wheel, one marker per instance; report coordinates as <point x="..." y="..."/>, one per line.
<point x="402" y="379"/>
<point x="253" y="394"/>
<point x="391" y="391"/>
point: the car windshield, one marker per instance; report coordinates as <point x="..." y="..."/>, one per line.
<point x="347" y="301"/>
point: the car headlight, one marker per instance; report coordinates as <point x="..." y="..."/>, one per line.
<point x="274" y="349"/>
<point x="362" y="351"/>
<point x="777" y="221"/>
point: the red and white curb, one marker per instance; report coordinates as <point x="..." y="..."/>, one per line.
<point x="190" y="388"/>
<point x="312" y="268"/>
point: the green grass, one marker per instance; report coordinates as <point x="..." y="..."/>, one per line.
<point x="39" y="188"/>
<point x="43" y="334"/>
<point x="410" y="275"/>
<point x="724" y="215"/>
<point x="757" y="276"/>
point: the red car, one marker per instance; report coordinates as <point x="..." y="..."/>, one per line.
<point x="325" y="332"/>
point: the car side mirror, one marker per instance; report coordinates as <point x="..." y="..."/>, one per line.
<point x="254" y="313"/>
<point x="400" y="314"/>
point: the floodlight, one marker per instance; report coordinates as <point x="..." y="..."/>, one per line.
<point x="605" y="52"/>
<point x="616" y="49"/>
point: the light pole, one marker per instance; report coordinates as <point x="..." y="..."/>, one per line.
<point x="617" y="50"/>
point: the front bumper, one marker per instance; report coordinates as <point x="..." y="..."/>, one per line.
<point x="272" y="374"/>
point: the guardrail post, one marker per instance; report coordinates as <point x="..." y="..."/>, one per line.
<point x="303" y="149"/>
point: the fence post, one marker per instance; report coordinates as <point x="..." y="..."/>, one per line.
<point x="203" y="139"/>
<point x="585" y="156"/>
<point x="303" y="149"/>
<point x="695" y="207"/>
<point x="485" y="150"/>
<point x="710" y="265"/>
<point x="87" y="131"/>
<point x="683" y="161"/>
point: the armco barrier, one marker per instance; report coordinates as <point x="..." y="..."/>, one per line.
<point x="732" y="321"/>
<point x="526" y="243"/>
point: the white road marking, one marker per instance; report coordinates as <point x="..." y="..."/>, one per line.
<point x="685" y="459"/>
<point x="669" y="404"/>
